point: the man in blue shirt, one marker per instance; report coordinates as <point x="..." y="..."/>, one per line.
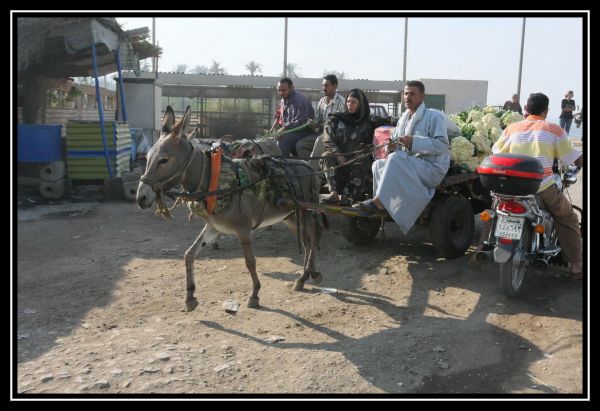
<point x="294" y="111"/>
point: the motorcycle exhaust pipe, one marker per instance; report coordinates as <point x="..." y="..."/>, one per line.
<point x="540" y="265"/>
<point x="483" y="257"/>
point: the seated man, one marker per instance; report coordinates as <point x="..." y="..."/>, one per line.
<point x="513" y="104"/>
<point x="332" y="102"/>
<point x="294" y="111"/>
<point x="404" y="183"/>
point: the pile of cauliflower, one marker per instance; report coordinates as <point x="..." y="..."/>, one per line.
<point x="479" y="130"/>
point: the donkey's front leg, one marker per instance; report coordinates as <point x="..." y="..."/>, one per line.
<point x="207" y="235"/>
<point x="245" y="238"/>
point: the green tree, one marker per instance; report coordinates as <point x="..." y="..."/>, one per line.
<point x="181" y="68"/>
<point x="292" y="71"/>
<point x="339" y="74"/>
<point x="253" y="67"/>
<point x="216" y="68"/>
<point x="199" y="69"/>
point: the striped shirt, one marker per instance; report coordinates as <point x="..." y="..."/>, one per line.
<point x="324" y="109"/>
<point x="535" y="137"/>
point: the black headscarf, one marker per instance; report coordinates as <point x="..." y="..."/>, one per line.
<point x="363" y="112"/>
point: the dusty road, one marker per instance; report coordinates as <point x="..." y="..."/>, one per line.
<point x="100" y="291"/>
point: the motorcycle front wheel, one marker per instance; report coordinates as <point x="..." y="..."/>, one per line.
<point x="513" y="277"/>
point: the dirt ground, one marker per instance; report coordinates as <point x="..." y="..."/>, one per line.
<point x="100" y="297"/>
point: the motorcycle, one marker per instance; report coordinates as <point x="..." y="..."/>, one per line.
<point x="522" y="234"/>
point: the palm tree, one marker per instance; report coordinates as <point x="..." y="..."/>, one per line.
<point x="216" y="68"/>
<point x="199" y="69"/>
<point x="339" y="74"/>
<point x="181" y="68"/>
<point x="253" y="67"/>
<point x="291" y="71"/>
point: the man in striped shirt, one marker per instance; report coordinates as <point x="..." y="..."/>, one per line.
<point x="535" y="137"/>
<point x="332" y="102"/>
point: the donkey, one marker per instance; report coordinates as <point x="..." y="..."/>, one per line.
<point x="173" y="161"/>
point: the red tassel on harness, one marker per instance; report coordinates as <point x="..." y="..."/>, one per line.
<point x="213" y="185"/>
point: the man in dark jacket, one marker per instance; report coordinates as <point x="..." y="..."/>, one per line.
<point x="513" y="105"/>
<point x="294" y="111"/>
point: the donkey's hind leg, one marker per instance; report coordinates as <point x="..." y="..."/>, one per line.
<point x="312" y="236"/>
<point x="207" y="235"/>
<point x="245" y="238"/>
<point x="290" y="221"/>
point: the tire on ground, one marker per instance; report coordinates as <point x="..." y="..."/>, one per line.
<point x="359" y="230"/>
<point x="452" y="225"/>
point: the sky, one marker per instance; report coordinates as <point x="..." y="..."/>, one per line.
<point x="476" y="48"/>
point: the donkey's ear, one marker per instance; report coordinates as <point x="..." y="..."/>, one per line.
<point x="179" y="130"/>
<point x="185" y="121"/>
<point x="168" y="120"/>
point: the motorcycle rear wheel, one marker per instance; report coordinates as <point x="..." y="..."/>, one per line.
<point x="513" y="278"/>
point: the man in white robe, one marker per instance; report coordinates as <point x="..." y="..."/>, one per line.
<point x="404" y="183"/>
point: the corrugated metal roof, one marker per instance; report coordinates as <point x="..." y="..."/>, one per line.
<point x="59" y="47"/>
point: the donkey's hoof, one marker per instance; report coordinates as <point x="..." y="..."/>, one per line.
<point x="191" y="304"/>
<point x="317" y="277"/>
<point x="298" y="285"/>
<point x="252" y="302"/>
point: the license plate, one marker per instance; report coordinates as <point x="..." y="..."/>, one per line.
<point x="509" y="227"/>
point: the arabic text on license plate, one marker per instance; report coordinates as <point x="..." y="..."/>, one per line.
<point x="509" y="227"/>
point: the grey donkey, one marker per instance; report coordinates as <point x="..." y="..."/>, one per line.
<point x="173" y="162"/>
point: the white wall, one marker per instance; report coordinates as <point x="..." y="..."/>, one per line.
<point x="142" y="101"/>
<point x="460" y="94"/>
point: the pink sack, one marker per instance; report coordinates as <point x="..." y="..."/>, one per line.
<point x="381" y="136"/>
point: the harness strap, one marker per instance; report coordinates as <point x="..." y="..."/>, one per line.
<point x="215" y="171"/>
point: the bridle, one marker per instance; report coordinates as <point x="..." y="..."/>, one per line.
<point x="156" y="186"/>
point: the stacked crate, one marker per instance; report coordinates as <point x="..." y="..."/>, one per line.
<point x="85" y="150"/>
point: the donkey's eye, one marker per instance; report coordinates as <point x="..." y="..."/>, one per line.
<point x="162" y="161"/>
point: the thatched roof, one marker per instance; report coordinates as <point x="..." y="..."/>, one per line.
<point x="61" y="47"/>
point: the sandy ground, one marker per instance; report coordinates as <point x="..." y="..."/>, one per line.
<point x="100" y="290"/>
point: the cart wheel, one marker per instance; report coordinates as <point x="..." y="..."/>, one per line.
<point x="359" y="230"/>
<point x="452" y="225"/>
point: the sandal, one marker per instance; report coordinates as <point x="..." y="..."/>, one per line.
<point x="369" y="205"/>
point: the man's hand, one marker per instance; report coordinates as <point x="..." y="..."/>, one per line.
<point x="279" y="136"/>
<point x="340" y="159"/>
<point x="391" y="147"/>
<point x="406" y="142"/>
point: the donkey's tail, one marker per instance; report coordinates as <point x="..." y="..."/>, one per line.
<point x="324" y="221"/>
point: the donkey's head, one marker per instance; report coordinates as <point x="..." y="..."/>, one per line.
<point x="167" y="160"/>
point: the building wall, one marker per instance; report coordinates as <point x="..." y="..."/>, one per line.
<point x="460" y="94"/>
<point x="78" y="108"/>
<point x="139" y="91"/>
<point x="143" y="104"/>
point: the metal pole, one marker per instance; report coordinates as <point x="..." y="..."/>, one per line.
<point x="521" y="58"/>
<point x="405" y="48"/>
<point x="101" y="112"/>
<point x="404" y="65"/>
<point x="154" y="43"/>
<point x="121" y="85"/>
<point x="285" y="49"/>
